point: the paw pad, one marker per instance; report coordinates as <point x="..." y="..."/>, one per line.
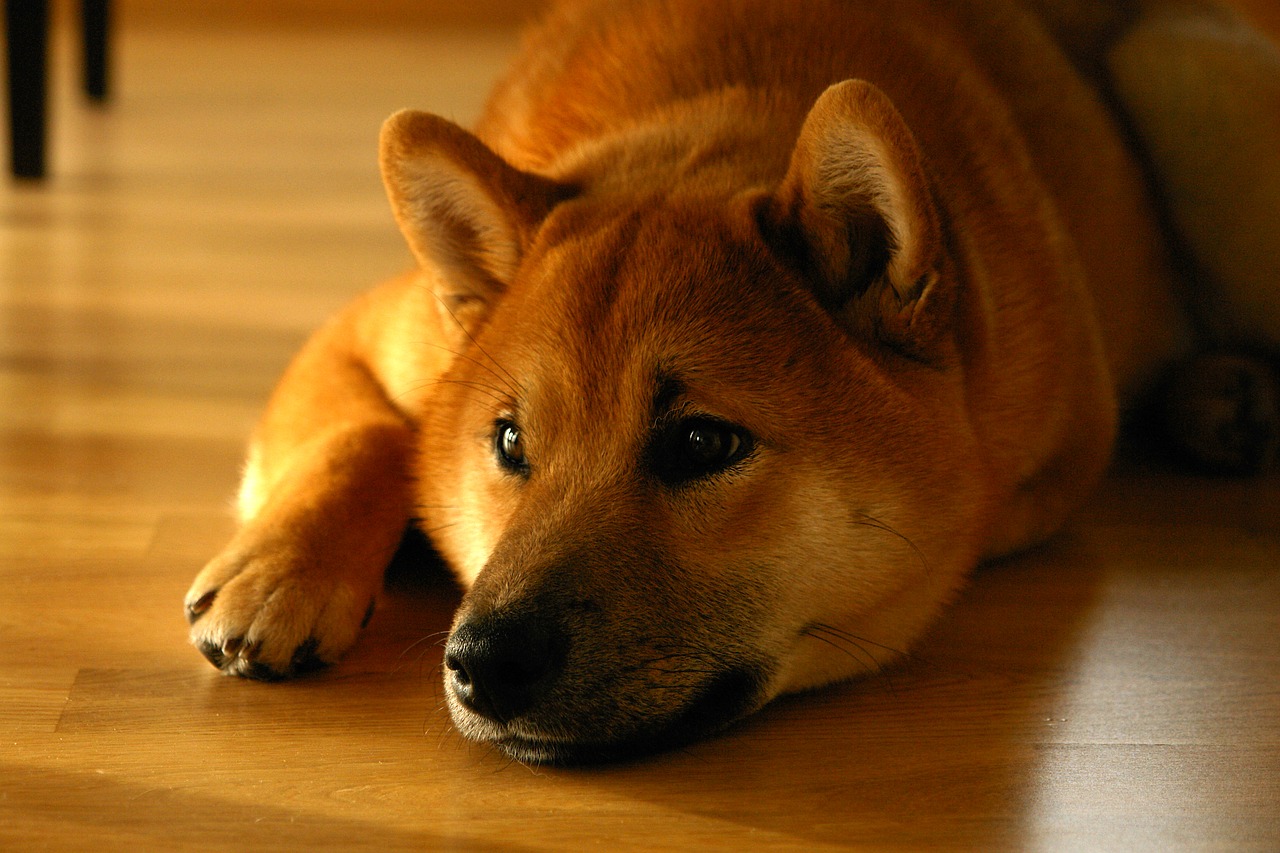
<point x="1222" y="413"/>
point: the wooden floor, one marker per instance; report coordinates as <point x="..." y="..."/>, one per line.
<point x="1118" y="690"/>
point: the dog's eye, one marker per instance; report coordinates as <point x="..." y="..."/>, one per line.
<point x="510" y="447"/>
<point x="699" y="447"/>
<point x="710" y="446"/>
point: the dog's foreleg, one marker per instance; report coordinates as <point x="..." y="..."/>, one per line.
<point x="324" y="501"/>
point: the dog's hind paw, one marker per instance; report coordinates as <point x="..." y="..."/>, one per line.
<point x="1222" y="413"/>
<point x="263" y="616"/>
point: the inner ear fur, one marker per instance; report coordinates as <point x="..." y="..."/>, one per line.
<point x="855" y="212"/>
<point x="464" y="211"/>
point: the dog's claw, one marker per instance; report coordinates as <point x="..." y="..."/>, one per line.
<point x="200" y="606"/>
<point x="235" y="655"/>
<point x="261" y="672"/>
<point x="212" y="652"/>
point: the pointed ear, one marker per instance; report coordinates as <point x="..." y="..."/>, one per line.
<point x="856" y="215"/>
<point x="464" y="211"/>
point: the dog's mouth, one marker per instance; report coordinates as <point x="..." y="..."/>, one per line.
<point x="565" y="737"/>
<point x="545" y="693"/>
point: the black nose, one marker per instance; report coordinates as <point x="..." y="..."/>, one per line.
<point x="500" y="667"/>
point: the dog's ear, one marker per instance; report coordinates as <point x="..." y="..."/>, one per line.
<point x="465" y="211"/>
<point x="855" y="213"/>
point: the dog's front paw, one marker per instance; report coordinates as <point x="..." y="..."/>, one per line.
<point x="268" y="614"/>
<point x="1222" y="413"/>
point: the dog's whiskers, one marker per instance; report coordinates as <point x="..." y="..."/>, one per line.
<point x="503" y="400"/>
<point x="856" y="648"/>
<point x="421" y="641"/>
<point x="513" y="384"/>
<point x="876" y="524"/>
<point x="691" y="661"/>
<point x="854" y="638"/>
<point x="462" y="355"/>
<point x="849" y="645"/>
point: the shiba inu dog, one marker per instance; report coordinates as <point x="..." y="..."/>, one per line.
<point x="743" y="330"/>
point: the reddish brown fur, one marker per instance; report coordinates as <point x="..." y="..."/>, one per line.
<point x="917" y="294"/>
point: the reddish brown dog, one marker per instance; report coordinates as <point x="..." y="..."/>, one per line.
<point x="743" y="331"/>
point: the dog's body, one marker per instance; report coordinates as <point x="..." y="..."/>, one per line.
<point x="744" y="334"/>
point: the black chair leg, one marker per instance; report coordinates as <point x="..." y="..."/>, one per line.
<point x="95" y="19"/>
<point x="27" y="38"/>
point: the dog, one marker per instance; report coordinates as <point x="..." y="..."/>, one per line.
<point x="742" y="331"/>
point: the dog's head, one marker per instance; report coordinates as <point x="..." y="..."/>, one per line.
<point x="700" y="444"/>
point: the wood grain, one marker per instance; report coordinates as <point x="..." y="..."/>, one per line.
<point x="1119" y="689"/>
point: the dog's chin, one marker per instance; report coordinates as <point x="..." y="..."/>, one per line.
<point x="558" y="753"/>
<point x="543" y="739"/>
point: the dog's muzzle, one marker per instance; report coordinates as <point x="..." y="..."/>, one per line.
<point x="512" y="683"/>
